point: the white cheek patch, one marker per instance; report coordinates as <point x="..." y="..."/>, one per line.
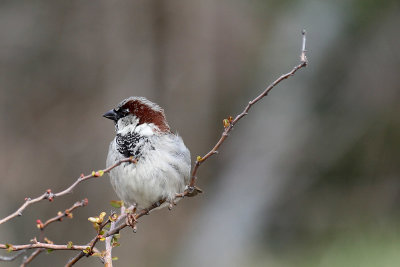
<point x="127" y="124"/>
<point x="125" y="130"/>
<point x="145" y="129"/>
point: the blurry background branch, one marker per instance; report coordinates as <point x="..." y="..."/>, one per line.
<point x="31" y="257"/>
<point x="13" y="257"/>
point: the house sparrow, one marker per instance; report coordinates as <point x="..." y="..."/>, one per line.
<point x="163" y="161"/>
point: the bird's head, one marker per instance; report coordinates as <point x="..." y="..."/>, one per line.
<point x="138" y="112"/>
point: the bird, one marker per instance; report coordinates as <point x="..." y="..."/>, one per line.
<point x="162" y="160"/>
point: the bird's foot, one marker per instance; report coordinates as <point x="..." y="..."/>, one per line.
<point x="190" y="191"/>
<point x="131" y="218"/>
<point x="171" y="204"/>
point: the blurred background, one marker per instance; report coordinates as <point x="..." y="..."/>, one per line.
<point x="309" y="178"/>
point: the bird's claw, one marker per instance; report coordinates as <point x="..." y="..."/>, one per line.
<point x="190" y="191"/>
<point x="193" y="191"/>
<point x="171" y="204"/>
<point x="131" y="219"/>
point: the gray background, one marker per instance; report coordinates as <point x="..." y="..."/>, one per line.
<point x="309" y="178"/>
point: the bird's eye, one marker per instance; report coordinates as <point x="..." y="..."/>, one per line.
<point x="124" y="112"/>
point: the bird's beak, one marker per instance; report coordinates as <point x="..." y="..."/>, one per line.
<point x="111" y="114"/>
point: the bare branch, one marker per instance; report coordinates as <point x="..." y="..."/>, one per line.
<point x="61" y="215"/>
<point x="91" y="245"/>
<point x="136" y="217"/>
<point x="50" y="196"/>
<point x="42" y="226"/>
<point x="42" y="245"/>
<point x="117" y="229"/>
<point x="230" y="122"/>
<point x="303" y="57"/>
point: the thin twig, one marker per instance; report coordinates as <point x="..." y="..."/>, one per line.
<point x="31" y="257"/>
<point x="42" y="226"/>
<point x="61" y="215"/>
<point x="136" y="216"/>
<point x="117" y="229"/>
<point x="81" y="254"/>
<point x="42" y="245"/>
<point x="91" y="245"/>
<point x="231" y="122"/>
<point x="50" y="196"/>
<point x="303" y="57"/>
